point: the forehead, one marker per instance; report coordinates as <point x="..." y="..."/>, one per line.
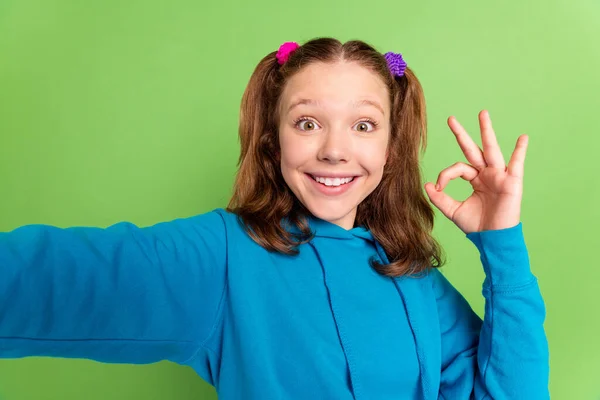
<point x="335" y="85"/>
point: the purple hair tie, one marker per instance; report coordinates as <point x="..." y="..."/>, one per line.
<point x="395" y="63"/>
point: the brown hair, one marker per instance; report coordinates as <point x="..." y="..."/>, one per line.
<point x="396" y="212"/>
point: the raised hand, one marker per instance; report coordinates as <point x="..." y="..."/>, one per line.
<point x="497" y="189"/>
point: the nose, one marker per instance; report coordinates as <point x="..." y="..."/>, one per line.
<point x="335" y="147"/>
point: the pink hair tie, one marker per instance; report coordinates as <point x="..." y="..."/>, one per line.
<point x="285" y="50"/>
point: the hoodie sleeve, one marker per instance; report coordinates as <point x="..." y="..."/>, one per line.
<point x="505" y="356"/>
<point x="122" y="294"/>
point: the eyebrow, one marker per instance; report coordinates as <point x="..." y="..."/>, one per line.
<point x="353" y="103"/>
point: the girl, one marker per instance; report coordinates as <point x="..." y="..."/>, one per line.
<point x="320" y="280"/>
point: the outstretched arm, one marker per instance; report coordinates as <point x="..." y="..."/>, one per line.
<point x="122" y="294"/>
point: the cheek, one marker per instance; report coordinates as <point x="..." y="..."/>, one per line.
<point x="294" y="151"/>
<point x="292" y="155"/>
<point x="374" y="157"/>
<point x="287" y="156"/>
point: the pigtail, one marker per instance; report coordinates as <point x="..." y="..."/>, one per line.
<point x="398" y="212"/>
<point x="261" y="198"/>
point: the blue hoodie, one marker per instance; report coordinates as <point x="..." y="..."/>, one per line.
<point x="255" y="324"/>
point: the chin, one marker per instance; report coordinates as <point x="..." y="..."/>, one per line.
<point x="331" y="211"/>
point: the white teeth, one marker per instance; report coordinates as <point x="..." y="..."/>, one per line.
<point x="333" y="181"/>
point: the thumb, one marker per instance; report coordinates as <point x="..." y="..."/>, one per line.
<point x="441" y="200"/>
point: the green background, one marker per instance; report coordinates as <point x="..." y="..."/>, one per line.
<point x="115" y="110"/>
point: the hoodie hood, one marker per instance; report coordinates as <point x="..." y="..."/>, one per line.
<point x="322" y="228"/>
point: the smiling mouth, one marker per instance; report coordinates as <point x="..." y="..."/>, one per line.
<point x="332" y="181"/>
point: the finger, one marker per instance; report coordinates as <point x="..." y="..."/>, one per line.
<point x="446" y="204"/>
<point x="517" y="160"/>
<point x="469" y="148"/>
<point x="459" y="169"/>
<point x="491" y="149"/>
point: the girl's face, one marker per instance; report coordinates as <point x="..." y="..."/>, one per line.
<point x="334" y="132"/>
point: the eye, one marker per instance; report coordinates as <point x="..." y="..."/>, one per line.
<point x="309" y="124"/>
<point x="364" y="125"/>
